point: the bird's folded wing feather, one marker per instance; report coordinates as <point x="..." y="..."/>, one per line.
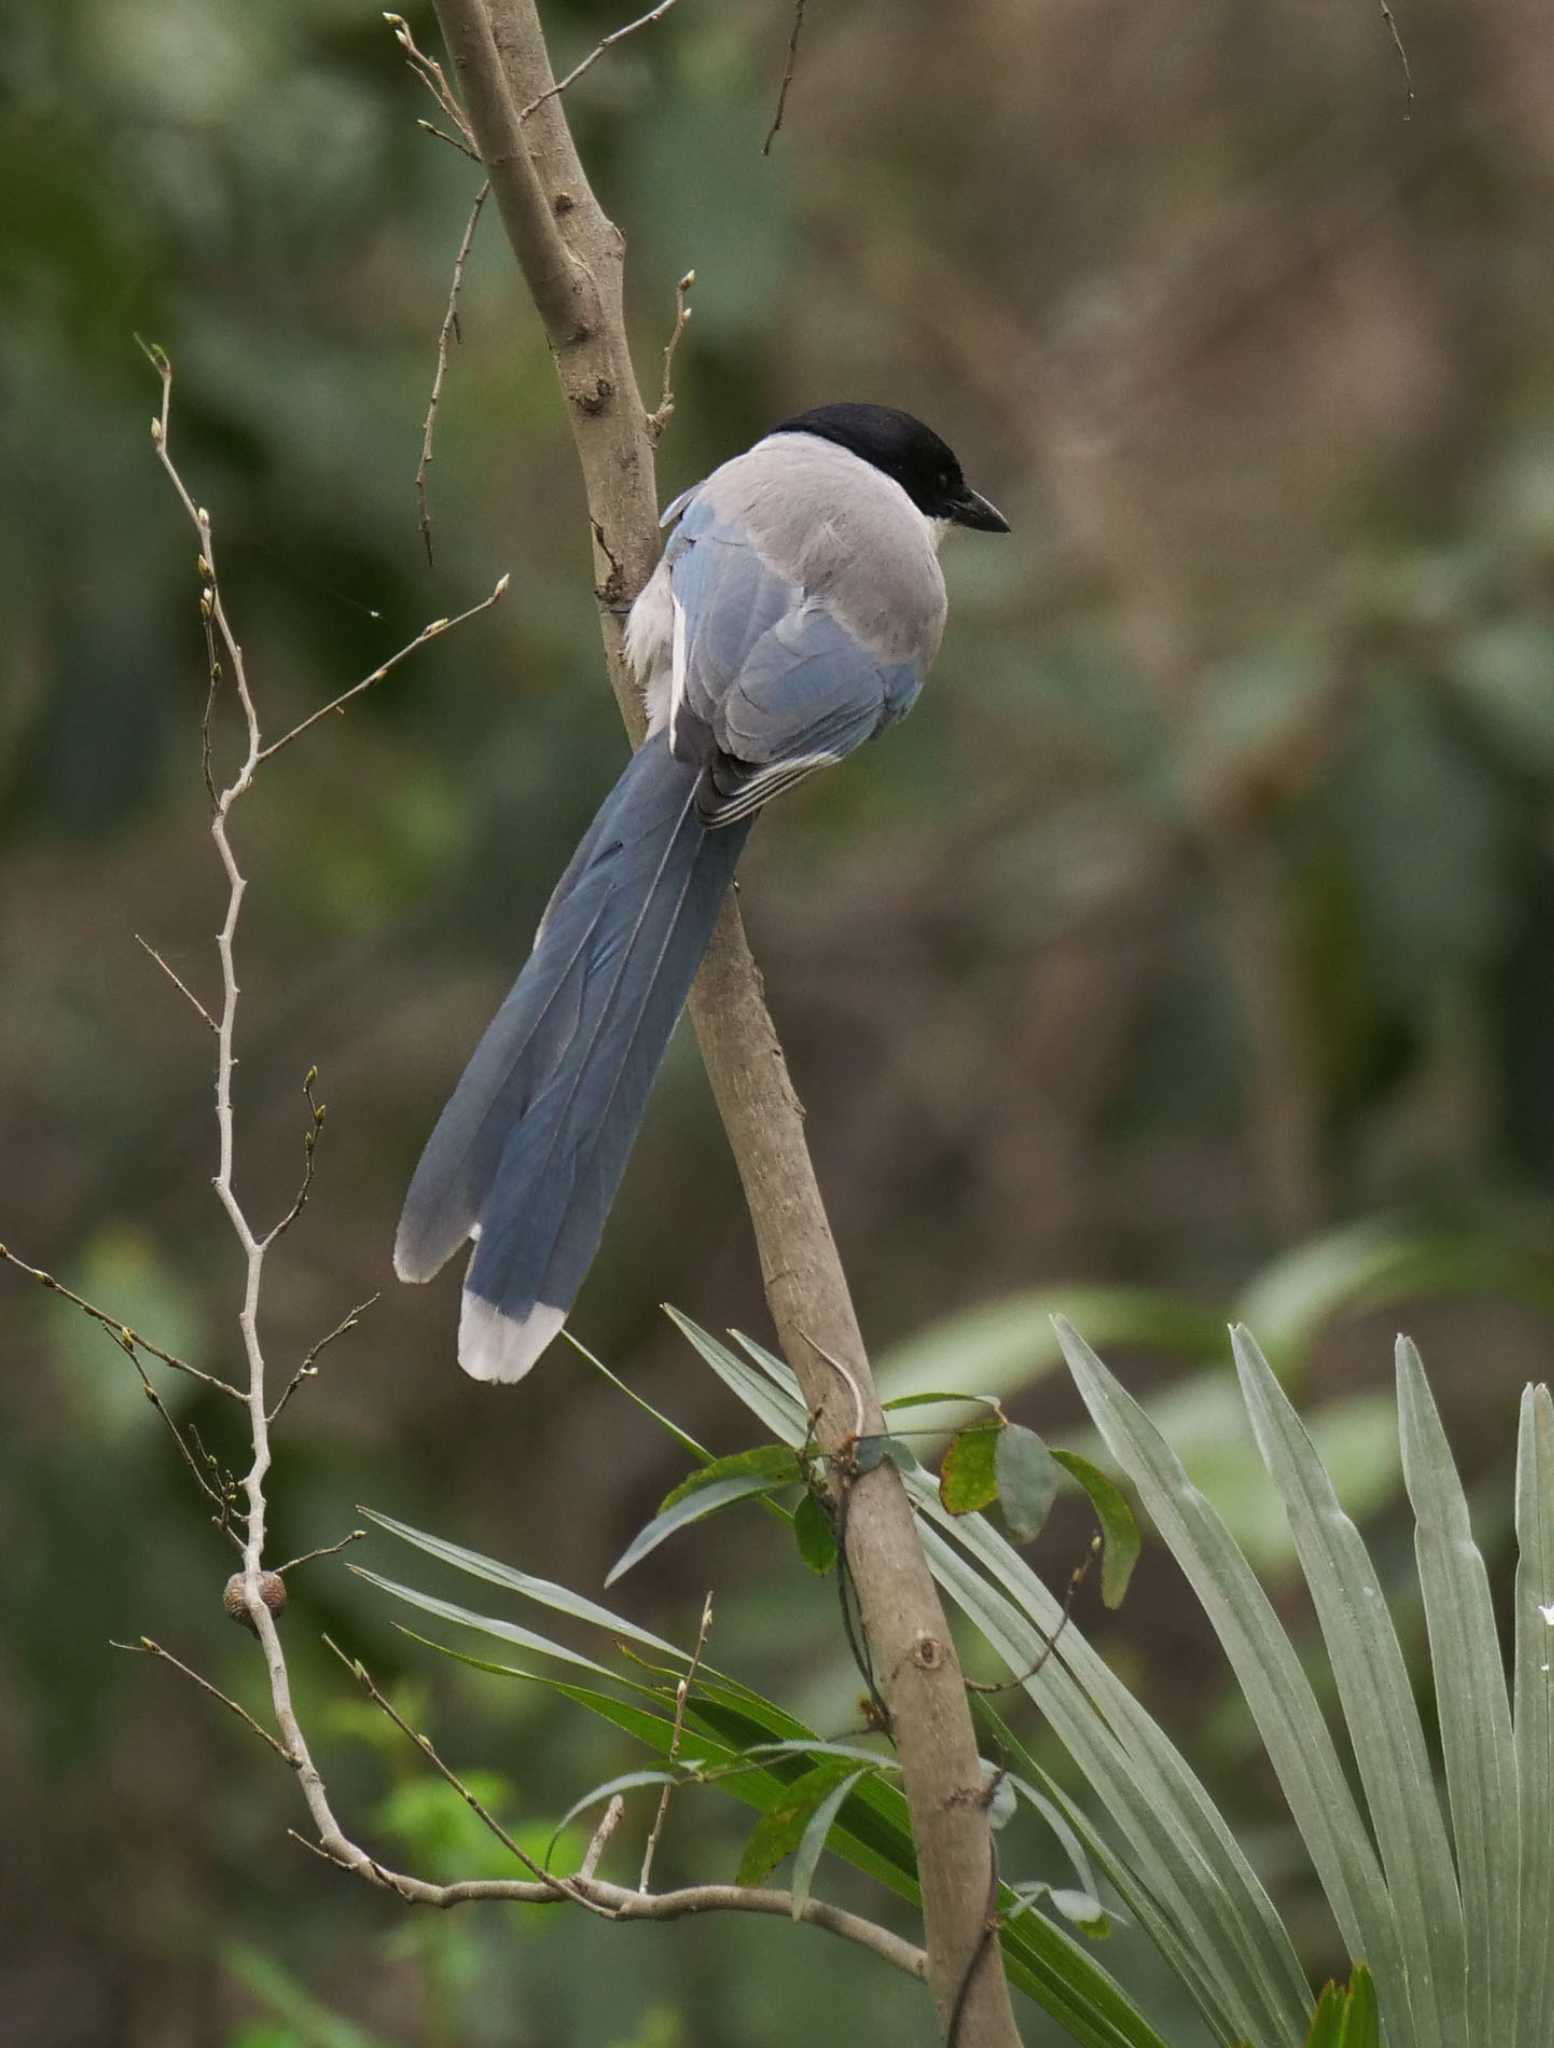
<point x="773" y="682"/>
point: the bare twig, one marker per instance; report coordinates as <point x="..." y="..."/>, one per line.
<point x="657" y="421"/>
<point x="308" y="1369"/>
<point x="432" y="76"/>
<point x="601" y="1837"/>
<point x="181" y="986"/>
<point x="448" y="332"/>
<point x="615" y="36"/>
<point x="787" y="76"/>
<point x="623" y="1904"/>
<point x="329" y="1550"/>
<point x="1397" y="43"/>
<point x="336" y="707"/>
<point x="1076" y="1579"/>
<point x="682" y="1694"/>
<point x="147" y="1648"/>
<point x="127" y="1339"/>
<point x="562" y="1885"/>
<point x="453" y="142"/>
<point x="216" y="1490"/>
<point x="310" y="1139"/>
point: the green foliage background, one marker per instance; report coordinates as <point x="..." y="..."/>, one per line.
<point x="1202" y="910"/>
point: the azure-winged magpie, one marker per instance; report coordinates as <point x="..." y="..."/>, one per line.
<point x="794" y="614"/>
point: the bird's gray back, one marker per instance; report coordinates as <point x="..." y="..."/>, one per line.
<point x="842" y="531"/>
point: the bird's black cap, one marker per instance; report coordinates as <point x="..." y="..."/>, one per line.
<point x="909" y="453"/>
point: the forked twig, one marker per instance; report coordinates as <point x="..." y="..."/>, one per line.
<point x="615" y="36"/>
<point x="561" y="1885"/>
<point x="432" y="76"/>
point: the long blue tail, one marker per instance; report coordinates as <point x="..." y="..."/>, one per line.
<point x="529" y="1152"/>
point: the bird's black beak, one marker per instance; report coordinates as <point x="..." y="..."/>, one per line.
<point x="973" y="510"/>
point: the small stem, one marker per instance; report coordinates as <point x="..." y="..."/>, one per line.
<point x="336" y="707"/>
<point x="147" y="1648"/>
<point x="329" y="1550"/>
<point x="682" y="1694"/>
<point x="447" y="332"/>
<point x="618" y="35"/>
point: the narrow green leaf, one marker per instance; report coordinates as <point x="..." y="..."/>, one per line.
<point x="722" y="1493"/>
<point x="1059" y="1825"/>
<point x="781" y="1828"/>
<point x="1327" y="2022"/>
<point x="673" y="1429"/>
<point x="542" y="1591"/>
<point x="488" y="1624"/>
<point x="1123" y="1873"/>
<point x="933" y="1400"/>
<point x="1027" y="1481"/>
<point x="775" y="1463"/>
<point x="1378" y="1704"/>
<point x="813" y="1840"/>
<point x="1270" y="1673"/>
<point x="968" y="1478"/>
<point x="817" y="1745"/>
<point x="773" y="1406"/>
<point x="815" y="1536"/>
<point x="1535" y="1712"/>
<point x="1475" y="1714"/>
<point x="1120" y="1538"/>
<point x="1041" y="1960"/>
<point x="1362" y="2016"/>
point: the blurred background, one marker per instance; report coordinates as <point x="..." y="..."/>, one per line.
<point x="1189" y="952"/>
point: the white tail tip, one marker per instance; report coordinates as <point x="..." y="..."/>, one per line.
<point x="498" y="1347"/>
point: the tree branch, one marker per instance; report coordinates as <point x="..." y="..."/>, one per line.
<point x="572" y="256"/>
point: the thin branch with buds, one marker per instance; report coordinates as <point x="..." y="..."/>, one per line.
<point x="787" y="75"/>
<point x="432" y="76"/>
<point x="310" y="1138"/>
<point x="247" y="1589"/>
<point x="147" y="1648"/>
<point x="681" y="1695"/>
<point x="448" y="332"/>
<point x="336" y="708"/>
<point x="615" y="36"/>
<point x="657" y="421"/>
<point x="182" y="987"/>
<point x="308" y="1369"/>
<point x="128" y="1340"/>
<point x="329" y="1550"/>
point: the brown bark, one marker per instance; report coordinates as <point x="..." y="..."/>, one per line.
<point x="571" y="256"/>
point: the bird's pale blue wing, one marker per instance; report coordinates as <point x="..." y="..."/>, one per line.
<point x="769" y="672"/>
